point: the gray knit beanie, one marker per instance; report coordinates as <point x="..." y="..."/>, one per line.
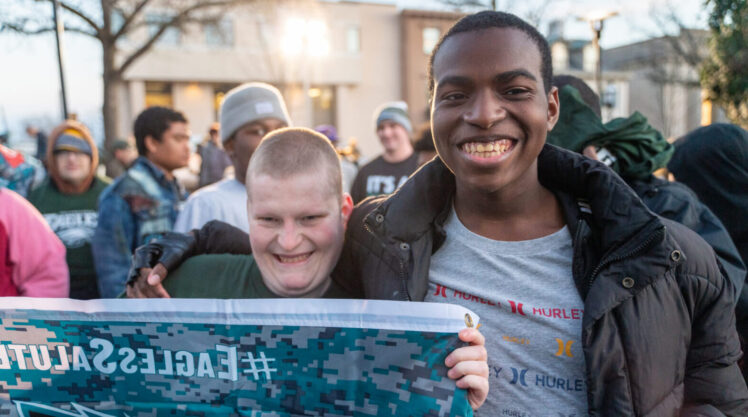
<point x="250" y="102"/>
<point x="396" y="111"/>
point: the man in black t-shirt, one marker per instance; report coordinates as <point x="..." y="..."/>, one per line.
<point x="389" y="171"/>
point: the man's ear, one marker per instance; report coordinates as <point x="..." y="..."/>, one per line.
<point x="228" y="146"/>
<point x="346" y="208"/>
<point x="151" y="144"/>
<point x="554" y="108"/>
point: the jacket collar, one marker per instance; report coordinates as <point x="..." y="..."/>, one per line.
<point x="617" y="213"/>
<point x="417" y="204"/>
<point x="154" y="171"/>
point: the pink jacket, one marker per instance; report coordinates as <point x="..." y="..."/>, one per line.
<point x="34" y="253"/>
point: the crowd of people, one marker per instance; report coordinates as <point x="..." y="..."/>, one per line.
<point x="625" y="251"/>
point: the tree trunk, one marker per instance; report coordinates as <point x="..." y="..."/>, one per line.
<point x="112" y="79"/>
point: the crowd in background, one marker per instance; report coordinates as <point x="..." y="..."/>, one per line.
<point x="101" y="222"/>
<point x="68" y="231"/>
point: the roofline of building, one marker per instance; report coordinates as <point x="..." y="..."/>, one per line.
<point x="663" y="37"/>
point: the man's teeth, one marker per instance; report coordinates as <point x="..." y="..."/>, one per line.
<point x="487" y="149"/>
<point x="292" y="259"/>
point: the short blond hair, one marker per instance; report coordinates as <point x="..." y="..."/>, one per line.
<point x="295" y="151"/>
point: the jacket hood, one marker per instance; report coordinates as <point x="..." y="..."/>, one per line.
<point x="713" y="162"/>
<point x="54" y="171"/>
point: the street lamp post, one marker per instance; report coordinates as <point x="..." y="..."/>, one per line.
<point x="596" y="20"/>
<point x="59" y="29"/>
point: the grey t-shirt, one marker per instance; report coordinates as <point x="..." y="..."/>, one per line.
<point x="530" y="314"/>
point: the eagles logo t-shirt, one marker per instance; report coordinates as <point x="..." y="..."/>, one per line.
<point x="73" y="218"/>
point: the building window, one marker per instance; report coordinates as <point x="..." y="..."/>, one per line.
<point x="430" y="38"/>
<point x="219" y="33"/>
<point x="589" y="59"/>
<point x="323" y="105"/>
<point x="353" y="40"/>
<point x="158" y="94"/>
<point x="560" y="56"/>
<point x="171" y="36"/>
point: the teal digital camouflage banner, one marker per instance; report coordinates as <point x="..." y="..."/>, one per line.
<point x="228" y="358"/>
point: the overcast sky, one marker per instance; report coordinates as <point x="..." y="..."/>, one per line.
<point x="29" y="81"/>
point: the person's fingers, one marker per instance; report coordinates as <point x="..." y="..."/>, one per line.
<point x="590" y="152"/>
<point x="153" y="291"/>
<point x="135" y="288"/>
<point x="142" y="286"/>
<point x="157" y="274"/>
<point x="466" y="353"/>
<point x="478" y="367"/>
<point x="160" y="291"/>
<point x="142" y="276"/>
<point x="472" y="336"/>
<point x="477" y="388"/>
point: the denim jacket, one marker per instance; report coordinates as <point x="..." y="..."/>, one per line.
<point x="140" y="205"/>
<point x="16" y="171"/>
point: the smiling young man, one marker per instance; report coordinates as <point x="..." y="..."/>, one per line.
<point x="297" y="213"/>
<point x="590" y="303"/>
<point x="143" y="203"/>
<point x="390" y="170"/>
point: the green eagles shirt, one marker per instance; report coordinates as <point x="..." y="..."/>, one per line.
<point x="224" y="276"/>
<point x="73" y="218"/>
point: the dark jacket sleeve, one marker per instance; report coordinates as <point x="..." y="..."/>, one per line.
<point x="218" y="237"/>
<point x="712" y="376"/>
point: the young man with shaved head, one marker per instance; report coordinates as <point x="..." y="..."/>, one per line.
<point x="590" y="303"/>
<point x="297" y="212"/>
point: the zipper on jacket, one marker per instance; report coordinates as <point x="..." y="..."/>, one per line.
<point x="403" y="278"/>
<point x="605" y="262"/>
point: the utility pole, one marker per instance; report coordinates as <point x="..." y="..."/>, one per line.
<point x="59" y="31"/>
<point x="596" y="19"/>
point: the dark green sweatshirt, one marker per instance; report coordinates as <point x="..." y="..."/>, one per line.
<point x="73" y="218"/>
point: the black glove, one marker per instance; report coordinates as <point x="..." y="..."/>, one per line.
<point x="171" y="250"/>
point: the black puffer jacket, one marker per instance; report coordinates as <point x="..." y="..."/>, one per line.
<point x="658" y="330"/>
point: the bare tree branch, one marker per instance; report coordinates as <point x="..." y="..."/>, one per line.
<point x="175" y="22"/>
<point x="24" y="31"/>
<point x="128" y="21"/>
<point x="81" y="15"/>
<point x="685" y="43"/>
<point x="535" y="15"/>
